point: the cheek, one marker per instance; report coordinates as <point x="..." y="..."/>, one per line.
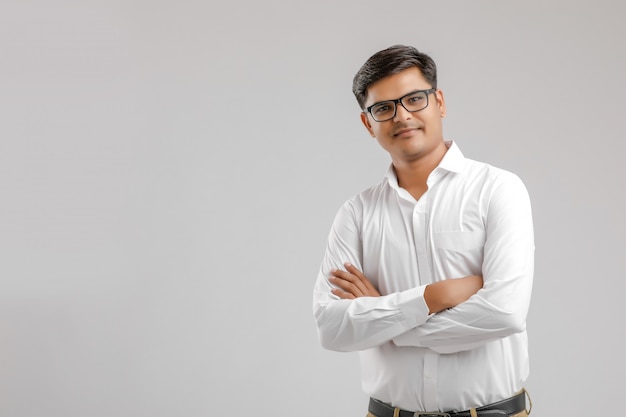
<point x="376" y="130"/>
<point x="383" y="143"/>
<point x="433" y="122"/>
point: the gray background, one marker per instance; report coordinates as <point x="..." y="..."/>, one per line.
<point x="169" y="172"/>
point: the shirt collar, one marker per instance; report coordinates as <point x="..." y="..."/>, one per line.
<point x="452" y="161"/>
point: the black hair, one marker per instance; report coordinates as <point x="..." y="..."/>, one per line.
<point x="391" y="61"/>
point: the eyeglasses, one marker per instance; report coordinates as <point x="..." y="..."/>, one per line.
<point x="412" y="102"/>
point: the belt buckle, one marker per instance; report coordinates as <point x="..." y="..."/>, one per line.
<point x="420" y="414"/>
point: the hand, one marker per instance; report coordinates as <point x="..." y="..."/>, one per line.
<point x="352" y="283"/>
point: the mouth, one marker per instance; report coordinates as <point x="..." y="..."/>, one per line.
<point x="406" y="132"/>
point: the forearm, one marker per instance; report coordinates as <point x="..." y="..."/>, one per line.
<point x="449" y="293"/>
<point x="365" y="322"/>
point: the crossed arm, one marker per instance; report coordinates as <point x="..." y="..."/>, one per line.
<point x="439" y="296"/>
<point x="352" y="314"/>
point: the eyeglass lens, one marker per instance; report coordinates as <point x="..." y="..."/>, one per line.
<point x="387" y="109"/>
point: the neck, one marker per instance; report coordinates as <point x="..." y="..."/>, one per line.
<point x="413" y="174"/>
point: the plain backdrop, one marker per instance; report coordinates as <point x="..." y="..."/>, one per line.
<point x="169" y="172"/>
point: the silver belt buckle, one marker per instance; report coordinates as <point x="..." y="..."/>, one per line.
<point x="420" y="414"/>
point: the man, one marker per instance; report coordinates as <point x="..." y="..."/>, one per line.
<point x="428" y="274"/>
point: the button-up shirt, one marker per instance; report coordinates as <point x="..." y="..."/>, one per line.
<point x="474" y="219"/>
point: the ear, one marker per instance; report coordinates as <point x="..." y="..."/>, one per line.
<point x="366" y="123"/>
<point x="441" y="103"/>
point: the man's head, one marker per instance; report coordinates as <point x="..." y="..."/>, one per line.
<point x="402" y="108"/>
<point x="391" y="61"/>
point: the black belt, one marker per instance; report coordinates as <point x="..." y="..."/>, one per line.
<point x="508" y="407"/>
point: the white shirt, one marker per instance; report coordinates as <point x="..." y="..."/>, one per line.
<point x="474" y="219"/>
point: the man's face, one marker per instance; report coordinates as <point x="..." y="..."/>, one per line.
<point x="409" y="136"/>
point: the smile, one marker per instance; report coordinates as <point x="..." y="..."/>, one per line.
<point x="406" y="132"/>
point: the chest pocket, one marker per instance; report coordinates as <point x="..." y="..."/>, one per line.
<point x="460" y="253"/>
<point x="460" y="241"/>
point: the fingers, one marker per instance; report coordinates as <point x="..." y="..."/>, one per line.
<point x="354" y="271"/>
<point x="342" y="294"/>
<point x="348" y="282"/>
<point x="352" y="283"/>
<point x="368" y="288"/>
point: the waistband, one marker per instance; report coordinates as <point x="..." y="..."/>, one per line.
<point x="510" y="406"/>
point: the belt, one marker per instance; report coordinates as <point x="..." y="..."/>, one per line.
<point x="510" y="406"/>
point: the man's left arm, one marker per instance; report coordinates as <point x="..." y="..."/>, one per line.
<point x="500" y="308"/>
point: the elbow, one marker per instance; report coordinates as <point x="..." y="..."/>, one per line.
<point x="325" y="334"/>
<point x="513" y="323"/>
<point x="504" y="322"/>
<point x="329" y="332"/>
<point x="515" y="318"/>
<point x="329" y="340"/>
<point x="508" y="315"/>
<point x="330" y="343"/>
<point x="328" y="337"/>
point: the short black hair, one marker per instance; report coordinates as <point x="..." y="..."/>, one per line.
<point x="391" y="61"/>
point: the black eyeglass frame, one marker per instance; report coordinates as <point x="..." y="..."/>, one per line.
<point x="399" y="101"/>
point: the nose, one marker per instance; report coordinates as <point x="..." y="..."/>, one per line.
<point x="402" y="113"/>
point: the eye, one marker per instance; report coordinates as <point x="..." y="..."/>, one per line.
<point x="415" y="99"/>
<point x="382" y="108"/>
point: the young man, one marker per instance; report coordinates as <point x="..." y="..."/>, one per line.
<point x="428" y="274"/>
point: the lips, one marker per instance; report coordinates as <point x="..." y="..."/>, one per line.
<point x="405" y="131"/>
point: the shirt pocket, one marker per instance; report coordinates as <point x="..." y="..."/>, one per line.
<point x="460" y="241"/>
<point x="460" y="253"/>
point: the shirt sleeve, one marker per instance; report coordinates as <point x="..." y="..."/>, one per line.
<point x="500" y="308"/>
<point x="365" y="322"/>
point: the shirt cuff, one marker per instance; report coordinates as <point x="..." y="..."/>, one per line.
<point x="413" y="306"/>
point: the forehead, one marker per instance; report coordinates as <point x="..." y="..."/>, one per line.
<point x="396" y="85"/>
